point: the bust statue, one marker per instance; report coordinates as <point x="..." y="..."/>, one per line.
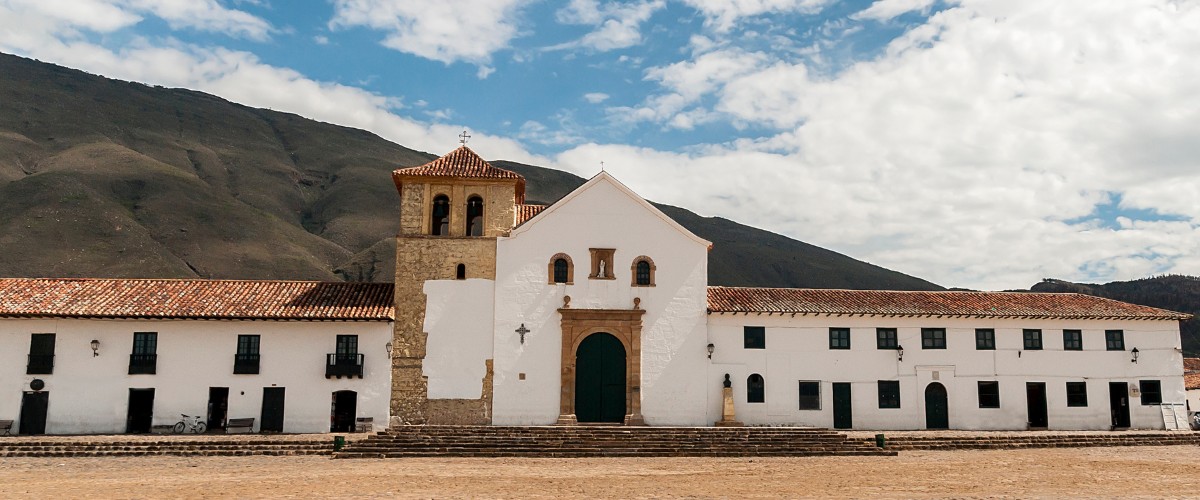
<point x="728" y="383"/>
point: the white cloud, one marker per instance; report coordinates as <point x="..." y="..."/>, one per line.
<point x="617" y="25"/>
<point x="724" y="14"/>
<point x="205" y="15"/>
<point x="595" y="97"/>
<point x="461" y="30"/>
<point x="883" y="10"/>
<point x="107" y="16"/>
<point x="321" y="40"/>
<point x="974" y="152"/>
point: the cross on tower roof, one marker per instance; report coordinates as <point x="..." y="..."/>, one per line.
<point x="462" y="138"/>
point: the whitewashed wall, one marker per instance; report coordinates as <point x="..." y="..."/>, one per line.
<point x="600" y="215"/>
<point x="458" y="321"/>
<point x="90" y="394"/>
<point x="798" y="349"/>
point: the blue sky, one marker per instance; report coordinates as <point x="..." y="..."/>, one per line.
<point x="975" y="143"/>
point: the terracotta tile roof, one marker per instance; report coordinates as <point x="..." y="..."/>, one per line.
<point x="194" y="299"/>
<point x="1191" y="364"/>
<point x="895" y="303"/>
<point x="1191" y="381"/>
<point x="462" y="163"/>
<point x="526" y="212"/>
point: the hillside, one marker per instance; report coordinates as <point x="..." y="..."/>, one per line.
<point x="105" y="178"/>
<point x="1177" y="293"/>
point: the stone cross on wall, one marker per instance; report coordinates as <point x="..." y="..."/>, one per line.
<point x="522" y="331"/>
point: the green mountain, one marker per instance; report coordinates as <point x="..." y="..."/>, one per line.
<point x="105" y="178"/>
<point x="1173" y="292"/>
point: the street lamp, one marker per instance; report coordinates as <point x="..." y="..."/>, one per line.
<point x="1135" y="355"/>
<point x="899" y="352"/>
<point x="711" y="348"/>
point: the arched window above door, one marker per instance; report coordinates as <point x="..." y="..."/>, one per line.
<point x="439" y="223"/>
<point x="474" y="216"/>
<point x="642" y="271"/>
<point x="561" y="269"/>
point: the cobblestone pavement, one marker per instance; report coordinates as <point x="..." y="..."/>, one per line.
<point x="1122" y="472"/>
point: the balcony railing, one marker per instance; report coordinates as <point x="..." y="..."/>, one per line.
<point x="344" y="365"/>
<point x="143" y="364"/>
<point x="40" y="364"/>
<point x="245" y="364"/>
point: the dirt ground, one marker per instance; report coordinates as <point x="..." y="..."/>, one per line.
<point x="1148" y="472"/>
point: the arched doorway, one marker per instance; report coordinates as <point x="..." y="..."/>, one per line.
<point x="600" y="379"/>
<point x="937" y="414"/>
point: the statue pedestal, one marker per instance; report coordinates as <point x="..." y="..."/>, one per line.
<point x="727" y="416"/>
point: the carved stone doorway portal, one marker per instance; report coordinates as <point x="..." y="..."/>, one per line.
<point x="623" y="324"/>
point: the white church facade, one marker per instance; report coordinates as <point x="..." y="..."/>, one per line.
<point x="594" y="309"/>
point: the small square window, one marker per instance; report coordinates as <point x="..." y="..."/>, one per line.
<point x="885" y="338"/>
<point x="1114" y="340"/>
<point x="1151" y="392"/>
<point x="1033" y="340"/>
<point x="989" y="394"/>
<point x="933" y="338"/>
<point x="839" y="338"/>
<point x="810" y="395"/>
<point x="985" y="339"/>
<point x="889" y="393"/>
<point x="1072" y="340"/>
<point x="755" y="337"/>
<point x="1076" y="393"/>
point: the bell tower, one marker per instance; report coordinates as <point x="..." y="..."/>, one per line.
<point x="451" y="211"/>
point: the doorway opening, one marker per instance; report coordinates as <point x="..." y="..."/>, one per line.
<point x="343" y="411"/>
<point x="600" y="379"/>
<point x="272" y="410"/>
<point x="937" y="407"/>
<point x="141" y="411"/>
<point x="218" y="407"/>
<point x="842" y="408"/>
<point x="1118" y="404"/>
<point x="33" y="413"/>
<point x="1035" y="396"/>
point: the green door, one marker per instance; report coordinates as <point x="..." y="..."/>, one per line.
<point x="600" y="379"/>
<point x="937" y="413"/>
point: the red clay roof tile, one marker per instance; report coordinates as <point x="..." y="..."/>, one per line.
<point x="462" y="163"/>
<point x="949" y="303"/>
<point x="526" y="212"/>
<point x="195" y="299"/>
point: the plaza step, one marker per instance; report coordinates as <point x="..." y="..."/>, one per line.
<point x="605" y="441"/>
<point x="111" y="446"/>
<point x="1037" y="440"/>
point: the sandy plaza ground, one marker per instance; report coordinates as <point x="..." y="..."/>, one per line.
<point x="1147" y="472"/>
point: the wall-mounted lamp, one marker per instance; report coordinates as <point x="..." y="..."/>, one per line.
<point x="1135" y="355"/>
<point x="95" y="348"/>
<point x="388" y="347"/>
<point x="711" y="348"/>
<point x="899" y="352"/>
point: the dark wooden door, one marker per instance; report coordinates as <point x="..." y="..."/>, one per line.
<point x="141" y="411"/>
<point x="600" y="379"/>
<point x="218" y="407"/>
<point x="1035" y="397"/>
<point x="1118" y="404"/>
<point x="843" y="417"/>
<point x="343" y="411"/>
<point x="937" y="408"/>
<point x="272" y="410"/>
<point x="33" y="413"/>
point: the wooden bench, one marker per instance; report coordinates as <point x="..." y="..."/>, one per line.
<point x="6" y="426"/>
<point x="242" y="425"/>
<point x="364" y="424"/>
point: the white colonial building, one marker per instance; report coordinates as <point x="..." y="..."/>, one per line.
<point x="594" y="309"/>
<point x="113" y="356"/>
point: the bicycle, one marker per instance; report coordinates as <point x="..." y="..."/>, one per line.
<point x="190" y="424"/>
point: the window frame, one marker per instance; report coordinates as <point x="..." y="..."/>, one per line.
<point x="980" y="394"/>
<point x="346" y="345"/>
<point x="1031" y="339"/>
<point x="1072" y="340"/>
<point x="635" y="273"/>
<point x="1077" y="395"/>
<point x="814" y="398"/>
<point x="551" y="278"/>
<point x="985" y="339"/>
<point x="1114" y="340"/>
<point x="1143" y="385"/>
<point x="889" y="394"/>
<point x="930" y="338"/>
<point x="887" y="339"/>
<point x="40" y="361"/>
<point x="754" y="337"/>
<point x="143" y="339"/>
<point x="837" y="335"/>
